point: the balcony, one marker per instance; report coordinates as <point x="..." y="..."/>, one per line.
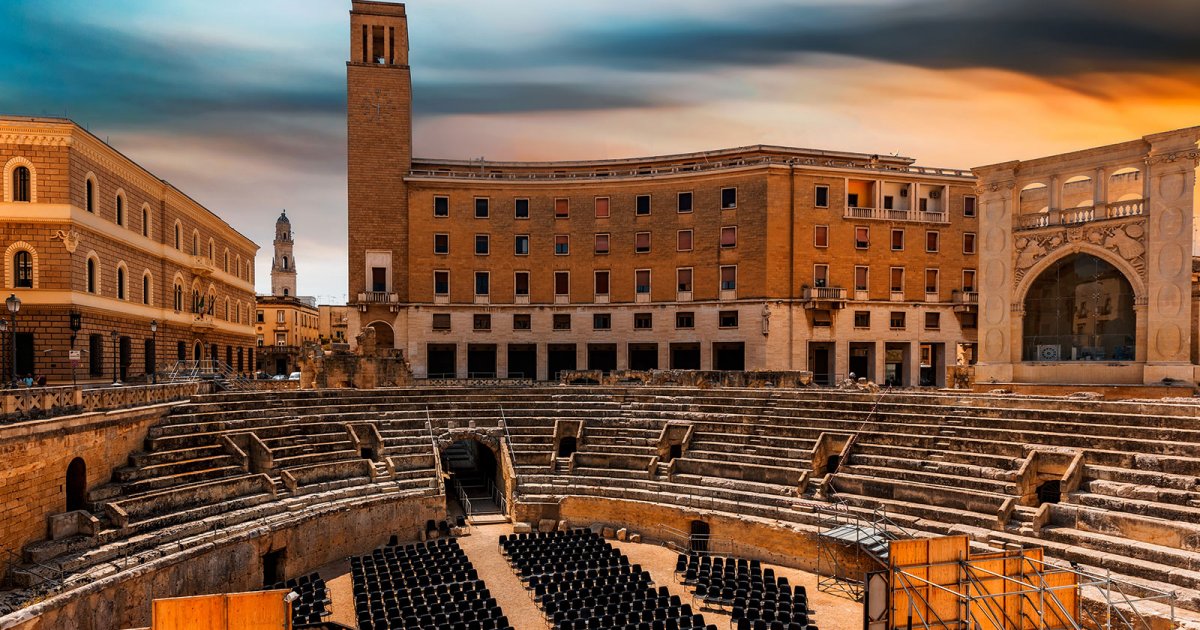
<point x="965" y="301"/>
<point x="882" y="214"/>
<point x="1087" y="214"/>
<point x="378" y="297"/>
<point x="203" y="323"/>
<point x="823" y="297"/>
<point x="202" y="266"/>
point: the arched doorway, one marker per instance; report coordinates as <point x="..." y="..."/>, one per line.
<point x="475" y="481"/>
<point x="566" y="446"/>
<point x="197" y="352"/>
<point x="698" y="539"/>
<point x="385" y="338"/>
<point x="76" y="485"/>
<point x="1080" y="309"/>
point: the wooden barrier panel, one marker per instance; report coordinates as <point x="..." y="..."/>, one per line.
<point x="261" y="610"/>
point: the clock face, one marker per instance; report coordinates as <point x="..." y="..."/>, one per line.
<point x="1048" y="353"/>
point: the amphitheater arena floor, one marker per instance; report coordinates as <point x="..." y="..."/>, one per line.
<point x="833" y="612"/>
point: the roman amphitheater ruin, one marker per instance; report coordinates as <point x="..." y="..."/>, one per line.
<point x="569" y="482"/>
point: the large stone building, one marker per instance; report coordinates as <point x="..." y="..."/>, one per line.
<point x="284" y="322"/>
<point x="757" y="258"/>
<point x="97" y="249"/>
<point x="1090" y="273"/>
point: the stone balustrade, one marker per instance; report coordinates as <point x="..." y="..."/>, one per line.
<point x="41" y="402"/>
<point x="1086" y="214"/>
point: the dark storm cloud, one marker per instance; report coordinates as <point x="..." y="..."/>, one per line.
<point x="1049" y="38"/>
<point x="471" y="97"/>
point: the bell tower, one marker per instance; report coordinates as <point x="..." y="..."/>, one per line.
<point x="379" y="151"/>
<point x="283" y="266"/>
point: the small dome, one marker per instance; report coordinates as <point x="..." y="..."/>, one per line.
<point x="283" y="218"/>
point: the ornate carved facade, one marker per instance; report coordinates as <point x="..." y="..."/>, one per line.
<point x="1127" y="207"/>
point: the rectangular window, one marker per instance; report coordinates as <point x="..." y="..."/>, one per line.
<point x="643" y="321"/>
<point x="482" y="245"/>
<point x="258" y="317"/>
<point x="852" y="200"/>
<point x="889" y="202"/>
<point x="441" y="243"/>
<point x="602" y="321"/>
<point x="601" y="243"/>
<point x="642" y="205"/>
<point x="897" y="240"/>
<point x="861" y="274"/>
<point x="482" y="283"/>
<point x="931" y="280"/>
<point x="821" y="318"/>
<point x="969" y="202"/>
<point x="562" y="244"/>
<point x="521" y="245"/>
<point x="562" y="283"/>
<point x="522" y="322"/>
<point x="441" y="283"/>
<point x="683" y="278"/>
<point x="641" y="281"/>
<point x="933" y="241"/>
<point x="862" y="237"/>
<point x="923" y="204"/>
<point x="441" y="321"/>
<point x="378" y="279"/>
<point x="968" y="283"/>
<point x="441" y="206"/>
<point x="729" y="236"/>
<point x="820" y="276"/>
<point x="969" y="243"/>
<point x="684" y="241"/>
<point x="933" y="321"/>
<point x="685" y="320"/>
<point x="821" y="197"/>
<point x="521" y="209"/>
<point x="521" y="283"/>
<point x="896" y="321"/>
<point x="601" y="207"/>
<point x="641" y="242"/>
<point x="969" y="321"/>
<point x="281" y="317"/>
<point x="562" y="208"/>
<point x="897" y="285"/>
<point x="862" y="319"/>
<point x="601" y="283"/>
<point x="820" y="236"/>
<point x="562" y="321"/>
<point x="727" y="319"/>
<point x="728" y="198"/>
<point x="728" y="277"/>
<point x="482" y="321"/>
<point x="482" y="209"/>
<point x="685" y="202"/>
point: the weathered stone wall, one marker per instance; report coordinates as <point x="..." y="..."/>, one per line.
<point x="123" y="601"/>
<point x="36" y="456"/>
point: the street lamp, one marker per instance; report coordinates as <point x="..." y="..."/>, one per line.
<point x="14" y="304"/>
<point x="154" y="351"/>
<point x="116" y="375"/>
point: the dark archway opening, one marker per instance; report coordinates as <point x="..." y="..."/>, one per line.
<point x="673" y="451"/>
<point x="643" y="356"/>
<point x="685" y="356"/>
<point x="1080" y="309"/>
<point x="1049" y="492"/>
<point x="560" y="356"/>
<point x="729" y="356"/>
<point x="566" y="446"/>
<point x="273" y="567"/>
<point x="442" y="360"/>
<point x="831" y="464"/>
<point x="385" y="337"/>
<point x="475" y="483"/>
<point x="522" y="361"/>
<point x="698" y="541"/>
<point x="76" y="485"/>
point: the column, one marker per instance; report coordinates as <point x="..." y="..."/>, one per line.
<point x="1100" y="193"/>
<point x="706" y="354"/>
<point x="581" y="349"/>
<point x="841" y="360"/>
<point x="543" y="362"/>
<point x="622" y="354"/>
<point x="664" y="353"/>
<point x="880" y="356"/>
<point x="912" y="364"/>
<point x="501" y="360"/>
<point x="460" y="360"/>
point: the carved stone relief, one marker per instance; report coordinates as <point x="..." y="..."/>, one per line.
<point x="1125" y="239"/>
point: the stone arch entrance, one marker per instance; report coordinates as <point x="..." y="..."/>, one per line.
<point x="1080" y="308"/>
<point x="698" y="537"/>
<point x="76" y="485"/>
<point x="385" y="337"/>
<point x="474" y="470"/>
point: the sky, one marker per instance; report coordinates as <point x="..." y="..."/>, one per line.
<point x="242" y="104"/>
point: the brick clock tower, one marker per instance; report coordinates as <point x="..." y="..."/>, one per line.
<point x="283" y="266"/>
<point x="379" y="153"/>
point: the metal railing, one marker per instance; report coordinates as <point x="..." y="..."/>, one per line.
<point x="823" y="293"/>
<point x="437" y="456"/>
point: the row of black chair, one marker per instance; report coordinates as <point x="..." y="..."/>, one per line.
<point x="426" y="585"/>
<point x="753" y="595"/>
<point x="582" y="583"/>
<point x="312" y="604"/>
